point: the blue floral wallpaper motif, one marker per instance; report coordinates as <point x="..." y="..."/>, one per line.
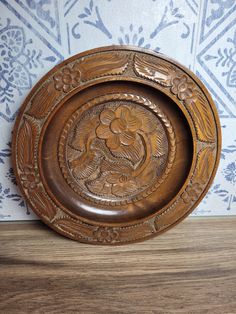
<point x="35" y="35"/>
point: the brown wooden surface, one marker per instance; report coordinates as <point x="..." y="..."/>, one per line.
<point x="99" y="139"/>
<point x="189" y="269"/>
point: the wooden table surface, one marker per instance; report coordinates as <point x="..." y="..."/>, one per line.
<point x="189" y="269"/>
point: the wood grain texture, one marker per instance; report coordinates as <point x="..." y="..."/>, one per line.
<point x="189" y="269"/>
<point x="99" y="139"/>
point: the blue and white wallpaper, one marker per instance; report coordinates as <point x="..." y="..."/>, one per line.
<point x="35" y="35"/>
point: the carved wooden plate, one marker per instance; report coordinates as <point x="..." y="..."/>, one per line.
<point x="116" y="145"/>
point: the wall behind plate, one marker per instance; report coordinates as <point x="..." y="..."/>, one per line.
<point x="36" y="35"/>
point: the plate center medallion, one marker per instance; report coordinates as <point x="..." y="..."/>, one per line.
<point x="114" y="149"/>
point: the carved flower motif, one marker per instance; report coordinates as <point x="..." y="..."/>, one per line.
<point x="106" y="235"/>
<point x="67" y="79"/>
<point x="192" y="193"/>
<point x="30" y="181"/>
<point x="183" y="89"/>
<point x="118" y="127"/>
<point x="121" y="184"/>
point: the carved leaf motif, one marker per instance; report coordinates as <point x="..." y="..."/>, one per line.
<point x="72" y="153"/>
<point x="157" y="71"/>
<point x="124" y="167"/>
<point x="203" y="120"/>
<point x="101" y="65"/>
<point x="83" y="132"/>
<point x="84" y="165"/>
<point x="109" y="235"/>
<point x="98" y="186"/>
<point x="158" y="143"/>
<point x="121" y="190"/>
<point x="170" y="216"/>
<point x="132" y="152"/>
<point x="110" y="181"/>
<point x="42" y="101"/>
<point x="136" y="232"/>
<point x="148" y="123"/>
<point x="42" y="203"/>
<point x="205" y="164"/>
<point x="75" y="228"/>
<point x="26" y="143"/>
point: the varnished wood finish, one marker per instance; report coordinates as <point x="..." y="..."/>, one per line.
<point x="116" y="145"/>
<point x="189" y="269"/>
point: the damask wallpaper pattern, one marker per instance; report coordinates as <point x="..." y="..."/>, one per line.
<point x="35" y="35"/>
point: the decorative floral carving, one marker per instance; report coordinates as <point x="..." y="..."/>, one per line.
<point x="46" y="96"/>
<point x="155" y="70"/>
<point x="124" y="155"/>
<point x="106" y="235"/>
<point x="192" y="193"/>
<point x="67" y="79"/>
<point x="27" y="133"/>
<point x="203" y="119"/>
<point x="43" y="204"/>
<point x="183" y="88"/>
<point x="111" y="64"/>
<point x="118" y="127"/>
<point x="121" y="183"/>
<point x="115" y="183"/>
<point x="116" y="168"/>
<point x="28" y="177"/>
